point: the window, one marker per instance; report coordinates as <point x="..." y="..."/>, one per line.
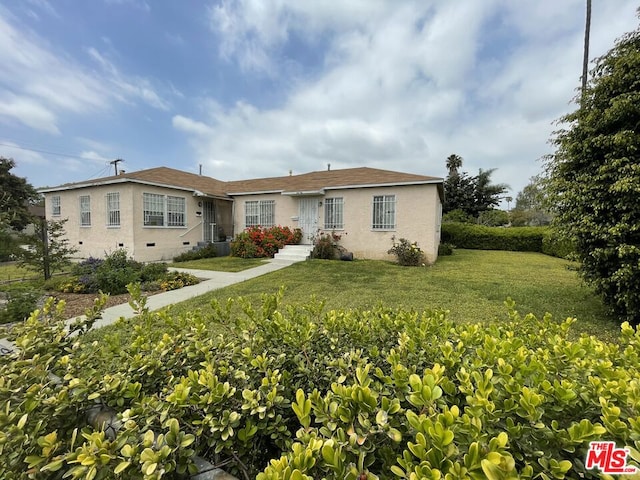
<point x="85" y="211"/>
<point x="153" y="210"/>
<point x="260" y="213"/>
<point x="176" y="209"/>
<point x="384" y="212"/>
<point x="113" y="209"/>
<point x="55" y="205"/>
<point x="333" y="214"/>
<point x="157" y="208"/>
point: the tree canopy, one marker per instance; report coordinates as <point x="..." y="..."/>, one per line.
<point x="595" y="177"/>
<point x="470" y="194"/>
<point x="531" y="204"/>
<point x="15" y="196"/>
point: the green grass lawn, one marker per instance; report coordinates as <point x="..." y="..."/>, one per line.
<point x="11" y="271"/>
<point x="471" y="284"/>
<point x="221" y="264"/>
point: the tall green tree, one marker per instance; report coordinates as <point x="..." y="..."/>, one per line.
<point x="595" y="177"/>
<point x="16" y="196"/>
<point x="471" y="195"/>
<point x="532" y="204"/>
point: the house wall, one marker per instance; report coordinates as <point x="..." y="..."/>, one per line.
<point x="98" y="239"/>
<point x="144" y="243"/>
<point x="418" y="218"/>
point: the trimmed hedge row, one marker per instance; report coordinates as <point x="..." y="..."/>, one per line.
<point x="518" y="239"/>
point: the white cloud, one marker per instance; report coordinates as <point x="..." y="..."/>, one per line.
<point x="9" y="149"/>
<point x="28" y="112"/>
<point x="405" y="84"/>
<point x="38" y="84"/>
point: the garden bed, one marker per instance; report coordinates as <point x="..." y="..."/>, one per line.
<point x="77" y="303"/>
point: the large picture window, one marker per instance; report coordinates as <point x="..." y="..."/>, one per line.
<point x="384" y="212"/>
<point x="85" y="211"/>
<point x="164" y="210"/>
<point x="113" y="209"/>
<point x="333" y="214"/>
<point x="259" y="213"/>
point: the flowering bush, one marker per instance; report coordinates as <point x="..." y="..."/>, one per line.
<point x="325" y="246"/>
<point x="263" y="242"/>
<point x="176" y="280"/>
<point x="409" y="254"/>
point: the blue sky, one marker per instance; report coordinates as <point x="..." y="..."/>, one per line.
<point x="252" y="88"/>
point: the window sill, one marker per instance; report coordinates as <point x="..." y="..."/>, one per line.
<point x="164" y="227"/>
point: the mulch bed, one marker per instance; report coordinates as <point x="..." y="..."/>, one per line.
<point x="77" y="303"/>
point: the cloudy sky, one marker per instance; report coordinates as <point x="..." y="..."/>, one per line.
<point x="255" y="88"/>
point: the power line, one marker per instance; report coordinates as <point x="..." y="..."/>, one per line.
<point x="44" y="151"/>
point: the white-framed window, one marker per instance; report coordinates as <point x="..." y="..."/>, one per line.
<point x="164" y="210"/>
<point x="153" y="209"/>
<point x="384" y="212"/>
<point x="113" y="209"/>
<point x="334" y="213"/>
<point x="85" y="211"/>
<point x="176" y="211"/>
<point x="259" y="213"/>
<point x="55" y="205"/>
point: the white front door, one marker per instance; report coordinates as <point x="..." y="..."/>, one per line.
<point x="308" y="218"/>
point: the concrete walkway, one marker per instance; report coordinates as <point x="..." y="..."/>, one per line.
<point x="213" y="281"/>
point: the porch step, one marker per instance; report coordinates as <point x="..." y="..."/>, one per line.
<point x="294" y="253"/>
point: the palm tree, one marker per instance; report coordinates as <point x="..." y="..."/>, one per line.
<point x="454" y="162"/>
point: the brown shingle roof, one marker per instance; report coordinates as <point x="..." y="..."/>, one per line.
<point x="348" y="177"/>
<point x="159" y="175"/>
<point x="313" y="181"/>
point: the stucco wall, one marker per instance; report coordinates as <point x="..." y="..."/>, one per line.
<point x="144" y="243"/>
<point x="418" y="218"/>
<point x="98" y="239"/>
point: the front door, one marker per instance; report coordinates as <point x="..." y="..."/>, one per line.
<point x="308" y="218"/>
<point x="209" y="227"/>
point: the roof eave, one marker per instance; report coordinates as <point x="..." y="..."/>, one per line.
<point x="77" y="186"/>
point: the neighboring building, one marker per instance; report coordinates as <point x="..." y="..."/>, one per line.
<point x="157" y="213"/>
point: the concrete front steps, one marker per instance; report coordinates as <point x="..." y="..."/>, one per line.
<point x="294" y="253"/>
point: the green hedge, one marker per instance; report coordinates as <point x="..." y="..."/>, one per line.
<point x="519" y="239"/>
<point x="479" y="237"/>
<point x="295" y="393"/>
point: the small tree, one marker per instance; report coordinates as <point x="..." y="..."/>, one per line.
<point x="48" y="249"/>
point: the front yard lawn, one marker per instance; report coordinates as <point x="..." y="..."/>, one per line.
<point x="471" y="284"/>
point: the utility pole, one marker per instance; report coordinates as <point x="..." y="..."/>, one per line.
<point x="115" y="163"/>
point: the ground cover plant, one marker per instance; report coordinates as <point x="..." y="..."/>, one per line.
<point x="298" y="392"/>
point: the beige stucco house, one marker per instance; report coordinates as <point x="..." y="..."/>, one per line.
<point x="158" y="213"/>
